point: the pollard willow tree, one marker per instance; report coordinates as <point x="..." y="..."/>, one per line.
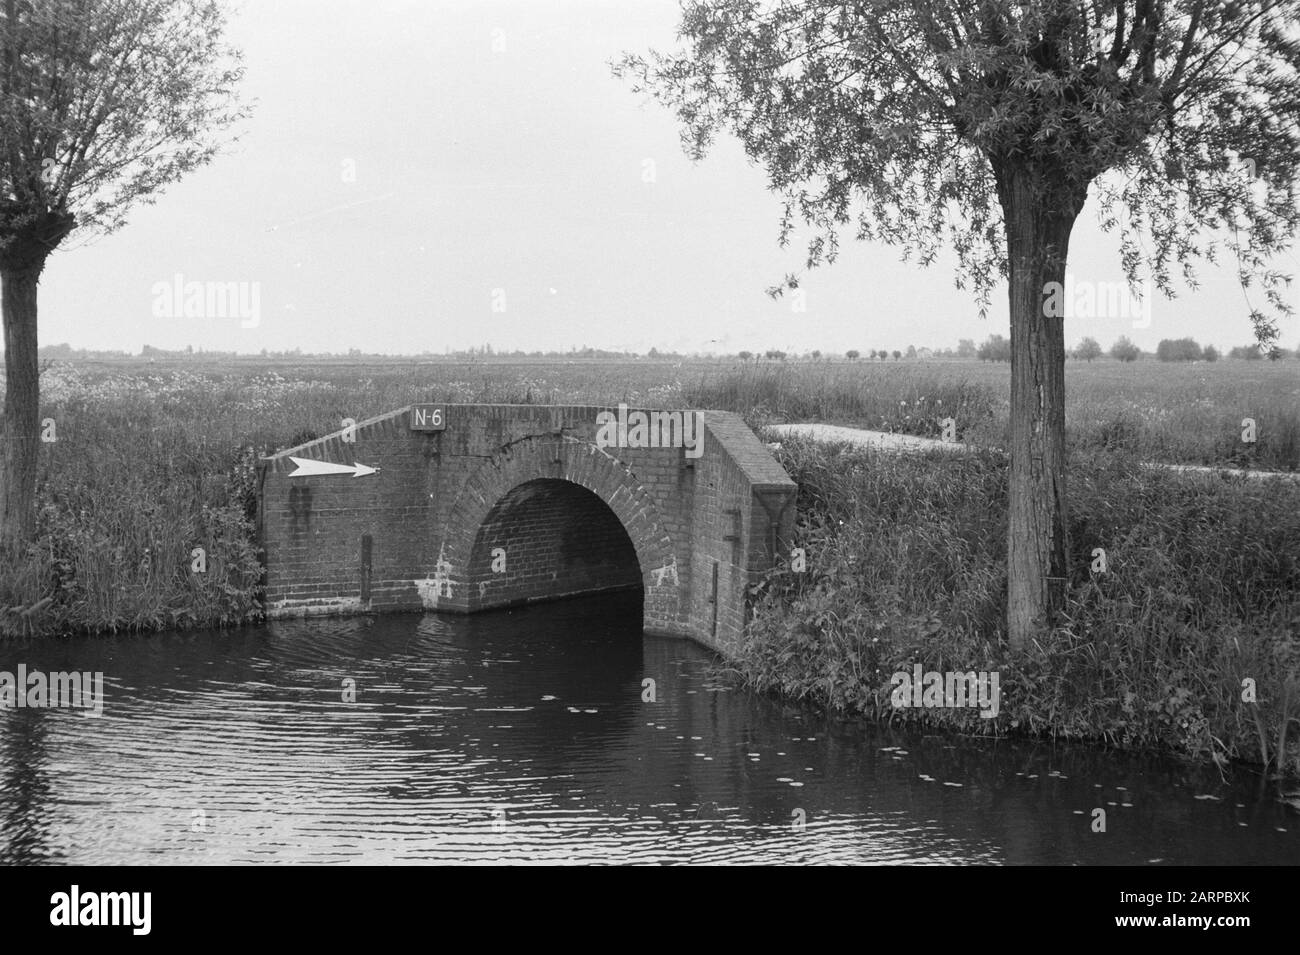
<point x="103" y="103"/>
<point x="981" y="126"/>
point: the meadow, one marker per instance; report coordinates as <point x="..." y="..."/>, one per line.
<point x="1176" y="413"/>
<point x="1161" y="412"/>
<point x="152" y="473"/>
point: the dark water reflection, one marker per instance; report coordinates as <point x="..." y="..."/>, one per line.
<point x="523" y="736"/>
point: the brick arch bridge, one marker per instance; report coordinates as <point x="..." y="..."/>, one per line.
<point x="486" y="506"/>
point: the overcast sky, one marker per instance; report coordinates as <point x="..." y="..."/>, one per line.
<point x="408" y="161"/>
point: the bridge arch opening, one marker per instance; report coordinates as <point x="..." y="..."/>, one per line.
<point x="547" y="539"/>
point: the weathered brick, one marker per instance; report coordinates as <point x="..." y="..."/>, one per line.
<point x="571" y="516"/>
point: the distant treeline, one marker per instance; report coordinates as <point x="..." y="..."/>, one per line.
<point x="998" y="348"/>
<point x="66" y="351"/>
<point x="994" y="348"/>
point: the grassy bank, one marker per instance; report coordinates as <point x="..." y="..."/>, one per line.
<point x="906" y="565"/>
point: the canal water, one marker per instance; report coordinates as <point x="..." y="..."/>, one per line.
<point x="530" y="736"/>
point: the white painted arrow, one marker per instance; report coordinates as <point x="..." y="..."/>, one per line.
<point x="308" y="467"/>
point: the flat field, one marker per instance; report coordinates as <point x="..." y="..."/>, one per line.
<point x="1168" y="412"/>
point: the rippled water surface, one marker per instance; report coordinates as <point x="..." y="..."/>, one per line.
<point x="525" y="736"/>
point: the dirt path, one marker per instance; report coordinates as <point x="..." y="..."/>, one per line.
<point x="885" y="441"/>
<point x="871" y="439"/>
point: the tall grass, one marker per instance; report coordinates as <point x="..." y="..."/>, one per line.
<point x="906" y="564"/>
<point x="1173" y="414"/>
<point x="910" y="399"/>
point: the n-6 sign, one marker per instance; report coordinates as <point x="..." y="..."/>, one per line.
<point x="428" y="418"/>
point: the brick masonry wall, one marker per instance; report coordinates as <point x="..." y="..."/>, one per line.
<point x="737" y="534"/>
<point x="419" y="533"/>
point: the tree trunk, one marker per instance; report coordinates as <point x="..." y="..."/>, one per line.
<point x="22" y="408"/>
<point x="27" y="237"/>
<point x="1038" y="223"/>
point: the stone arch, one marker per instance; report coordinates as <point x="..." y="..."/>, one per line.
<point x="549" y="538"/>
<point x="559" y="458"/>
